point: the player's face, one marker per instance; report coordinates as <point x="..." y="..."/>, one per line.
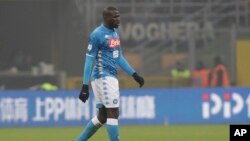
<point x="114" y="19"/>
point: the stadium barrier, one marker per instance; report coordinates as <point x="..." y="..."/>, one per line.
<point x="128" y="82"/>
<point x="138" y="106"/>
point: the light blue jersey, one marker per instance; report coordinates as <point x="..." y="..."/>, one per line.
<point x="104" y="46"/>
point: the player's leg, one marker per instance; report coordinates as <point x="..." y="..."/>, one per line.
<point x="112" y="123"/>
<point x="98" y="120"/>
<point x="93" y="125"/>
<point x="110" y="100"/>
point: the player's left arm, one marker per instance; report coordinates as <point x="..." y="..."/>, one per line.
<point x="125" y="65"/>
<point x="128" y="69"/>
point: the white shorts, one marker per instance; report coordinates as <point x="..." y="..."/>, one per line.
<point x="106" y="92"/>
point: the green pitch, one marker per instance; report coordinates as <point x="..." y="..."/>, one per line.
<point x="127" y="133"/>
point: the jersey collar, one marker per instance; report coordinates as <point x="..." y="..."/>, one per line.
<point x="108" y="29"/>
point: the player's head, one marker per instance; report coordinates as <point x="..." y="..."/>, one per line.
<point x="111" y="17"/>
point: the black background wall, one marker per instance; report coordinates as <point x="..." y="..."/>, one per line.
<point x="43" y="30"/>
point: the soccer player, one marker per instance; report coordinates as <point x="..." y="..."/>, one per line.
<point x="104" y="47"/>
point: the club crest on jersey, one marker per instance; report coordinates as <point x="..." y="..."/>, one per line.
<point x="114" y="42"/>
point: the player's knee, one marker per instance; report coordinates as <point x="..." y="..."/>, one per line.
<point x="102" y="118"/>
<point x="102" y="115"/>
<point x="116" y="114"/>
<point x="113" y="113"/>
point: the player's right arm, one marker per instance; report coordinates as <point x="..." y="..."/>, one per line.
<point x="89" y="60"/>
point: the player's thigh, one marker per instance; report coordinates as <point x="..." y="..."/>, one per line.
<point x="97" y="93"/>
<point x="110" y="92"/>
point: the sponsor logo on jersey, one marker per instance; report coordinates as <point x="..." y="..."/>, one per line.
<point x="114" y="42"/>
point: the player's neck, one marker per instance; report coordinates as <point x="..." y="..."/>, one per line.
<point x="107" y="26"/>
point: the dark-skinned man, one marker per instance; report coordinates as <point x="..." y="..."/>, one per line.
<point x="104" y="47"/>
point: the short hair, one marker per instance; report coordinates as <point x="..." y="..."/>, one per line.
<point x="107" y="10"/>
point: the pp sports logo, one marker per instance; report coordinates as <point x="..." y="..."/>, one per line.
<point x="228" y="104"/>
<point x="114" y="42"/>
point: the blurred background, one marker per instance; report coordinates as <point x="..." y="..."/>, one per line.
<point x="45" y="40"/>
<point x="193" y="54"/>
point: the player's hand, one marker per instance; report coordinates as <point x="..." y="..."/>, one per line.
<point x="138" y="79"/>
<point x="84" y="94"/>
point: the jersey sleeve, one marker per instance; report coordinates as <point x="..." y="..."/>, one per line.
<point x="92" y="45"/>
<point x="90" y="55"/>
<point x="87" y="69"/>
<point x="125" y="65"/>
